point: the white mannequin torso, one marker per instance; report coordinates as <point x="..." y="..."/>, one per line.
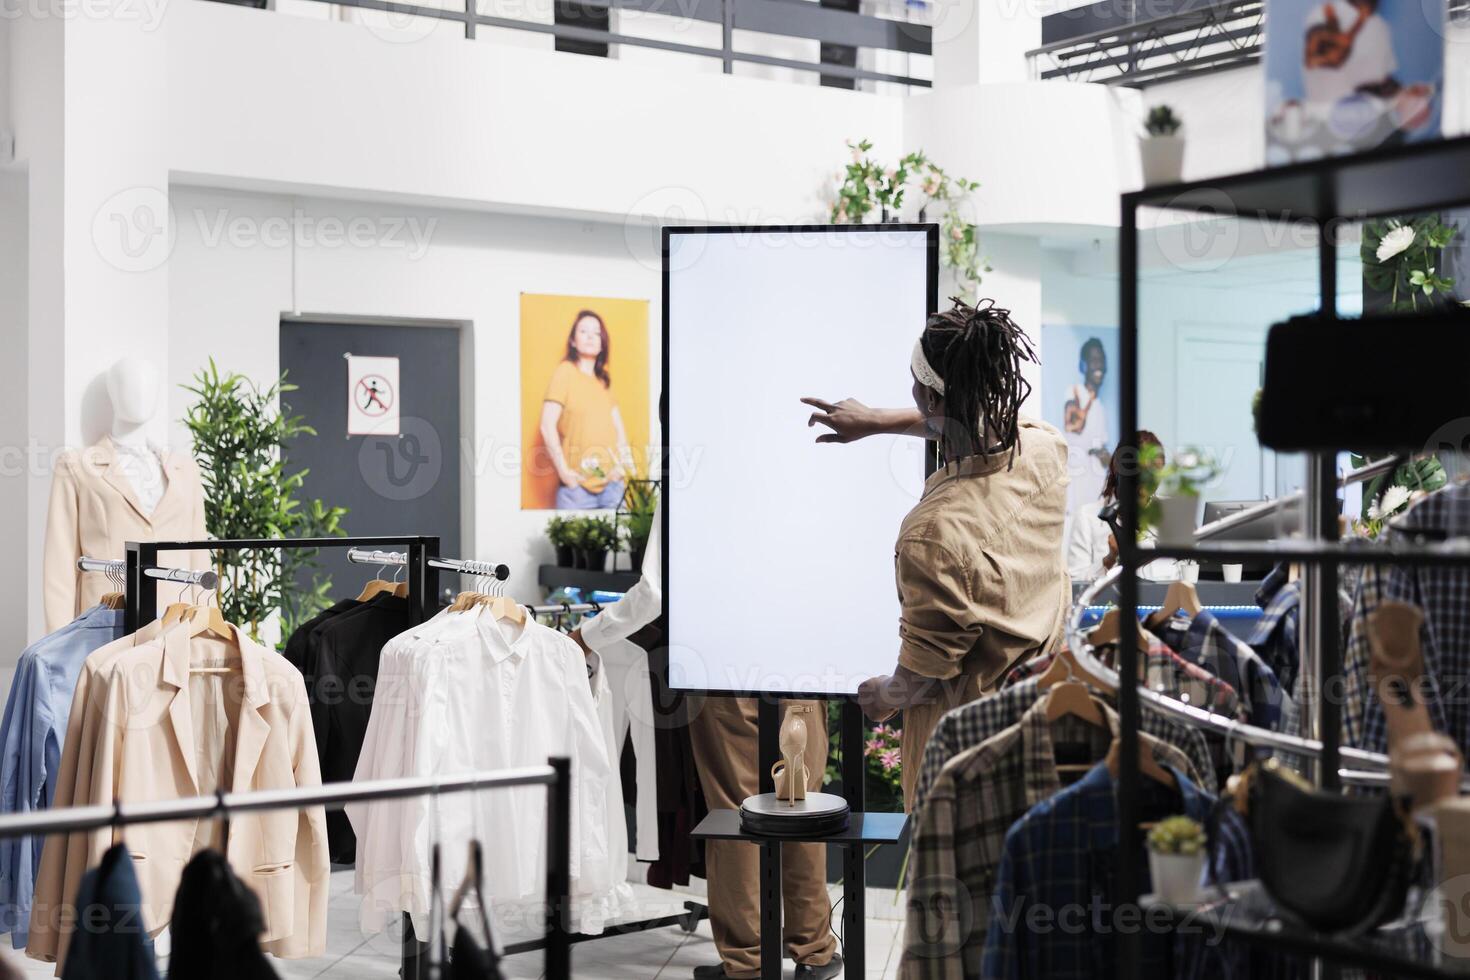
<point x="132" y="385"/>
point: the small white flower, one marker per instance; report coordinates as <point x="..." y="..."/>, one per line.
<point x="1395" y="242"/>
<point x="1390" y="502"/>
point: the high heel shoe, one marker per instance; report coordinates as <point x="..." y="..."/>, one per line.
<point x="792" y="765"/>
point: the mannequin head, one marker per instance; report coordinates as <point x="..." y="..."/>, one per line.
<point x="132" y="386"/>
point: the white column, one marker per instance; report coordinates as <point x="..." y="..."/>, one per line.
<point x="88" y="88"/>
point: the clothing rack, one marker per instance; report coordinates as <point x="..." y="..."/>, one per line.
<point x="464" y="566"/>
<point x="116" y="570"/>
<point x="693" y="911"/>
<point x="555" y="776"/>
<point x="1194" y="717"/>
<point x="419" y="555"/>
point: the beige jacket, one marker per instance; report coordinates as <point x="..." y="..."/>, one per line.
<point x="979" y="560"/>
<point x="161" y="734"/>
<point x="94" y="512"/>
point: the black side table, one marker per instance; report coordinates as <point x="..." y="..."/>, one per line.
<point x="863" y="829"/>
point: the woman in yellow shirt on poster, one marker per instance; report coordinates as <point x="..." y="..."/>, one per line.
<point x="581" y="425"/>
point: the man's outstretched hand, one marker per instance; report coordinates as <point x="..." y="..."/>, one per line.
<point x="851" y="420"/>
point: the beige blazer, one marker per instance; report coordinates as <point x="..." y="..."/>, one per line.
<point x="95" y="512"/>
<point x="148" y="747"/>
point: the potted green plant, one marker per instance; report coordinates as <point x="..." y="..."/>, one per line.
<point x="599" y="535"/>
<point x="242" y="433"/>
<point x="640" y="500"/>
<point x="1172" y="493"/>
<point x="558" y="532"/>
<point x="1176" y="859"/>
<point x="1161" y="150"/>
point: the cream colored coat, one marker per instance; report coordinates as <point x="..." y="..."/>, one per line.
<point x="95" y="512"/>
<point x="144" y="747"/>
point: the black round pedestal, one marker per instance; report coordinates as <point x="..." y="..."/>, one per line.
<point x="819" y="815"/>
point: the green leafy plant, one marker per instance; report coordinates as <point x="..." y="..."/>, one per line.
<point x="599" y="534"/>
<point x="1399" y="259"/>
<point x="867" y="184"/>
<point x="1161" y="121"/>
<point x="1177" y="835"/>
<point x="640" y="500"/>
<point x="883" y="789"/>
<point x="558" y="532"/>
<point x="240" y="433"/>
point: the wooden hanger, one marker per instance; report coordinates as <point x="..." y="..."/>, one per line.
<point x="113" y="600"/>
<point x="505" y="608"/>
<point x="376" y="587"/>
<point x="1065" y="666"/>
<point x="1180" y="595"/>
<point x="1073" y="698"/>
<point x="1147" y="765"/>
<point x="1110" y="630"/>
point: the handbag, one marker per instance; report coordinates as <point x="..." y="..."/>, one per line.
<point x="1339" y="864"/>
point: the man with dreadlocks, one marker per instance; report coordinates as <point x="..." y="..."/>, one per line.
<point x="981" y="577"/>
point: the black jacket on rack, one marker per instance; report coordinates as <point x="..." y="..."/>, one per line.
<point x="338" y="654"/>
<point x="216" y="925"/>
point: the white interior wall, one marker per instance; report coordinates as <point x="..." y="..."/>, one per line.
<point x="16" y="461"/>
<point x="227" y="299"/>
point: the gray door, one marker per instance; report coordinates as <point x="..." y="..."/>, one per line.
<point x="404" y="485"/>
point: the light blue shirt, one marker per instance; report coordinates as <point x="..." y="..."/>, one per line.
<point x="31" y="733"/>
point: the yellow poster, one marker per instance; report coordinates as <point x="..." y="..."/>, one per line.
<point x="584" y="400"/>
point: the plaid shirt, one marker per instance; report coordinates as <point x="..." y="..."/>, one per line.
<point x="959" y="835"/>
<point x="1058" y="866"/>
<point x="1204" y="640"/>
<point x="1275" y="635"/>
<point x="1443" y="593"/>
<point x="970" y="724"/>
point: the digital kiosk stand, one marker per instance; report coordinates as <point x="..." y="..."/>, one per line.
<point x="795" y="539"/>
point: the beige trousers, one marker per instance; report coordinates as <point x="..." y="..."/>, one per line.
<point x="920" y="721"/>
<point x="723" y="731"/>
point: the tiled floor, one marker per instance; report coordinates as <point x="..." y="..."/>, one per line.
<point x="664" y="954"/>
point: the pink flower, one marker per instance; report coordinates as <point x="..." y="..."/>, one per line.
<point x="889" y="759"/>
<point x="880" y="729"/>
<point x="957" y="233"/>
<point x="875" y="745"/>
<point x="857" y="155"/>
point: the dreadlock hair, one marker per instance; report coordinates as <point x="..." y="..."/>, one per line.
<point x="978" y="352"/>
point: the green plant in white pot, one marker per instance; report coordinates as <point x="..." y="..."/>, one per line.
<point x="1172" y="492"/>
<point x="1176" y="859"/>
<point x="1161" y="150"/>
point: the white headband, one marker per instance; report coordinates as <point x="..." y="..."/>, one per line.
<point x="923" y="371"/>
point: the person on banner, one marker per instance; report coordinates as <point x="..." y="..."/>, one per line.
<point x="981" y="579"/>
<point x="584" y="433"/>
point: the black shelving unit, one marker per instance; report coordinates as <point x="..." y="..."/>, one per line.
<point x="559" y="577"/>
<point x="1321" y="194"/>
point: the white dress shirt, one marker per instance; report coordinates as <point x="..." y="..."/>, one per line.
<point x="143" y="465"/>
<point x="465" y="693"/>
<point x="631" y="687"/>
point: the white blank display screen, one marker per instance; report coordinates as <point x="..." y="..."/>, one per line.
<point x="780" y="551"/>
